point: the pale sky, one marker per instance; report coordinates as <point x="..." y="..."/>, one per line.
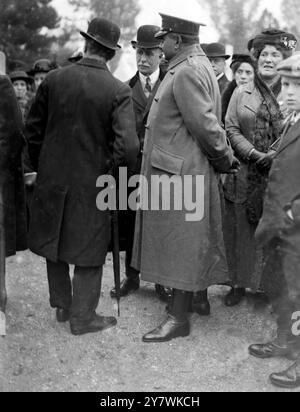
<point x="188" y="9"/>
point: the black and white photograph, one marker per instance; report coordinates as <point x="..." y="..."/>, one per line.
<point x="149" y="199"/>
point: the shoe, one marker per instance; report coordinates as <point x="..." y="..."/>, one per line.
<point x="289" y="379"/>
<point x="127" y="286"/>
<point x="62" y="315"/>
<point x="170" y="329"/>
<point x="200" y="303"/>
<point x="271" y="350"/>
<point x="98" y="324"/>
<point x="234" y="297"/>
<point x="164" y="294"/>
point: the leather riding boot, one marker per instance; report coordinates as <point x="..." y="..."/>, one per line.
<point x="176" y="324"/>
<point x="201" y="303"/>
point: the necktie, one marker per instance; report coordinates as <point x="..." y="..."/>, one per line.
<point x="148" y="88"/>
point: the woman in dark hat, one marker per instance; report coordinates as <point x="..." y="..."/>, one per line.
<point x="40" y="70"/>
<point x="254" y="123"/>
<point x="244" y="69"/>
<point x="22" y="82"/>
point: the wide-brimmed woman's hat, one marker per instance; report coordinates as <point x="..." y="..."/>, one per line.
<point x="20" y="75"/>
<point x="103" y="32"/>
<point x="42" y="66"/>
<point x="216" y="50"/>
<point x="146" y="38"/>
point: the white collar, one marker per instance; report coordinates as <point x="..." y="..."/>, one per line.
<point x="153" y="78"/>
<point x="220" y="76"/>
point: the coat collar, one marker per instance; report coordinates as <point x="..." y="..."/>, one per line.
<point x="190" y="51"/>
<point x="136" y="78"/>
<point x="291" y="135"/>
<point x="92" y="63"/>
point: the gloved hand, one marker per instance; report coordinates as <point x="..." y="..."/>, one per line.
<point x="235" y="167"/>
<point x="265" y="163"/>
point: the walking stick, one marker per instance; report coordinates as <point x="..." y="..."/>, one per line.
<point x="3" y="294"/>
<point x="116" y="257"/>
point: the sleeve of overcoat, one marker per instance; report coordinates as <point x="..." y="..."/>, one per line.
<point x="11" y="138"/>
<point x="197" y="109"/>
<point x="36" y="125"/>
<point x="127" y="146"/>
<point x="241" y="146"/>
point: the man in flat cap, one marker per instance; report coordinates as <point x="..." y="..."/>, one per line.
<point x="279" y="233"/>
<point x="217" y="56"/>
<point x="184" y="138"/>
<point x="80" y="127"/>
<point x="144" y="86"/>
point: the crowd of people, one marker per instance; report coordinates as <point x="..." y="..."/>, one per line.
<point x="179" y="115"/>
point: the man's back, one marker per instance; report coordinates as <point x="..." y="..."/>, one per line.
<point x="80" y="103"/>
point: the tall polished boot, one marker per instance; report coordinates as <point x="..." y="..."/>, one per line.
<point x="176" y="324"/>
<point x="201" y="303"/>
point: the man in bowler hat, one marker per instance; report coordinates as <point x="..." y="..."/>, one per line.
<point x="144" y="86"/>
<point x="217" y="56"/>
<point x="80" y="127"/>
<point x="183" y="138"/>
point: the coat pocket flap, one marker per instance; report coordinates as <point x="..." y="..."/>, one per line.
<point x="168" y="162"/>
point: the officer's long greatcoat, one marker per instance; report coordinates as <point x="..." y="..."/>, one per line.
<point x="11" y="172"/>
<point x="184" y="137"/>
<point x="80" y="123"/>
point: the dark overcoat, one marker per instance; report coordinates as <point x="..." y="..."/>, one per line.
<point x="277" y="232"/>
<point x="81" y="123"/>
<point x="283" y="190"/>
<point x="11" y="172"/>
<point x="184" y="138"/>
<point x="223" y="83"/>
<point x="141" y="104"/>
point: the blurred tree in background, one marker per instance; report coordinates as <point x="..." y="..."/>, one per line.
<point x="237" y="21"/>
<point x="24" y="30"/>
<point x="291" y="14"/>
<point x="121" y="12"/>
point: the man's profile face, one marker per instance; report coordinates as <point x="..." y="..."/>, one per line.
<point x="218" y="64"/>
<point x="148" y="60"/>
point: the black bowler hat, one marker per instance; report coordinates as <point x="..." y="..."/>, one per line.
<point x="146" y="38"/>
<point x="176" y="25"/>
<point x="104" y="32"/>
<point x="20" y="75"/>
<point x="215" y="50"/>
